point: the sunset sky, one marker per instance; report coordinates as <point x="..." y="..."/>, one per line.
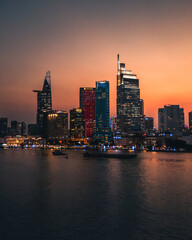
<point x="78" y="42"/>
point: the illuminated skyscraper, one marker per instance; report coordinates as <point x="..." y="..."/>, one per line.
<point x="44" y="102"/>
<point x="57" y="125"/>
<point x="77" y="123"/>
<point x="102" y="130"/>
<point x="88" y="105"/>
<point x="129" y="104"/>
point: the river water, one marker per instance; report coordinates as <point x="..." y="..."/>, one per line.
<point x="50" y="197"/>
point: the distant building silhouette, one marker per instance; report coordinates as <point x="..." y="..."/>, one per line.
<point x="88" y="105"/>
<point x="44" y="103"/>
<point x="18" y="128"/>
<point x="129" y="105"/>
<point x="190" y="122"/>
<point x="3" y="127"/>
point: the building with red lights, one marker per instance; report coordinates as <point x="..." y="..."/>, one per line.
<point x="88" y="105"/>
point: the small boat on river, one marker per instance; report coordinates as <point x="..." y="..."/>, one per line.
<point x="59" y="152"/>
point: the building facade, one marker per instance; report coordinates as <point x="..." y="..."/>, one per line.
<point x="149" y="124"/>
<point x="88" y="105"/>
<point x="129" y="104"/>
<point x="44" y="103"/>
<point x="57" y="125"/>
<point x="77" y="123"/>
<point x="190" y="122"/>
<point x="171" y="119"/>
<point x="102" y="130"/>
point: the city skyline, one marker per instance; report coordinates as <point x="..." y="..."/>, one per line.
<point x="81" y="48"/>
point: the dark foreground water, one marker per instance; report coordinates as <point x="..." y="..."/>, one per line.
<point x="50" y="197"/>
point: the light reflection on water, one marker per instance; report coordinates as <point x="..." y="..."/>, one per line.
<point x="50" y="197"/>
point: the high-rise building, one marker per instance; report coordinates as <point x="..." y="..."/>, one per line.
<point x="14" y="128"/>
<point x="190" y="122"/>
<point x="44" y="103"/>
<point x="18" y="128"/>
<point x="23" y="129"/>
<point x="57" y="125"/>
<point x="142" y="107"/>
<point x="161" y="120"/>
<point x="149" y="124"/>
<point x="88" y="105"/>
<point x="77" y="123"/>
<point x="102" y="130"/>
<point x="129" y="104"/>
<point x="3" y="127"/>
<point x="171" y="118"/>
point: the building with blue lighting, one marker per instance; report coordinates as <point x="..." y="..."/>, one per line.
<point x="102" y="130"/>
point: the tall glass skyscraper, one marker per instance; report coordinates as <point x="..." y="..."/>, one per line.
<point x="88" y="105"/>
<point x="128" y="101"/>
<point x="44" y="103"/>
<point x="102" y="130"/>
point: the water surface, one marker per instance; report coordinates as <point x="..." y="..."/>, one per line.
<point x="50" y="197"/>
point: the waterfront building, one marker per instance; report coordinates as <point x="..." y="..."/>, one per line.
<point x="3" y="127"/>
<point x="44" y="103"/>
<point x="161" y="120"/>
<point x="149" y="124"/>
<point x="88" y="105"/>
<point x="18" y="128"/>
<point x="190" y="122"/>
<point x="102" y="131"/>
<point x="77" y="123"/>
<point x="171" y="119"/>
<point x="129" y="105"/>
<point x="57" y="125"/>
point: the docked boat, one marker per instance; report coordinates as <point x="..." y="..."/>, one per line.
<point x="110" y="154"/>
<point x="59" y="152"/>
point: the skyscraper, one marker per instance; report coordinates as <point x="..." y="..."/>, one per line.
<point x="57" y="125"/>
<point x="171" y="119"/>
<point x="129" y="103"/>
<point x="18" y="128"/>
<point x="88" y="105"/>
<point x="161" y="120"/>
<point x="102" y="130"/>
<point x="149" y="124"/>
<point x="77" y="123"/>
<point x="44" y="102"/>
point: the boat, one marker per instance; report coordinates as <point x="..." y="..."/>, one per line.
<point x="110" y="154"/>
<point x="59" y="152"/>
